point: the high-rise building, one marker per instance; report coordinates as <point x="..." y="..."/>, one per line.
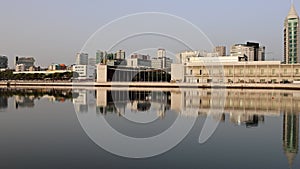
<point x="3" y="62"/>
<point x="221" y="50"/>
<point x="290" y="135"/>
<point x="291" y="37"/>
<point x="82" y="59"/>
<point x="252" y="51"/>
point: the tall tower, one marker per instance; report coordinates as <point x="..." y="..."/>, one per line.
<point x="291" y="37"/>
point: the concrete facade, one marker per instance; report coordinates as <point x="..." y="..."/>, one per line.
<point x="240" y="72"/>
<point x="85" y="71"/>
<point x="137" y="62"/>
<point x="221" y="50"/>
<point x="101" y="73"/>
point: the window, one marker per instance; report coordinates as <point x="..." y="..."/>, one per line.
<point x="251" y="71"/>
<point x="241" y="71"/>
<point x="273" y="71"/>
<point x="297" y="71"/>
<point x="200" y="72"/>
<point x="191" y="72"/>
<point x="262" y="71"/>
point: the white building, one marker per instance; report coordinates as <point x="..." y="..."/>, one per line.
<point x="137" y="62"/>
<point x="161" y="63"/>
<point x="82" y="59"/>
<point x="20" y="67"/>
<point x="183" y="56"/>
<point x="161" y="53"/>
<point x="85" y="71"/>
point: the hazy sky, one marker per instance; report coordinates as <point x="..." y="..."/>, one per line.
<point x="54" y="30"/>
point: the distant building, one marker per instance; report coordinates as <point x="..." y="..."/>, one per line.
<point x="221" y="50"/>
<point x="26" y="61"/>
<point x="116" y="62"/>
<point x="100" y="56"/>
<point x="139" y="56"/>
<point x="3" y="62"/>
<point x="252" y="51"/>
<point x="120" y="54"/>
<point x="161" y="53"/>
<point x="53" y="67"/>
<point x="92" y="61"/>
<point x="136" y="62"/>
<point x="20" y="68"/>
<point x="185" y="55"/>
<point x="139" y="60"/>
<point x="85" y="72"/>
<point x="161" y="61"/>
<point x="82" y="59"/>
<point x="291" y="37"/>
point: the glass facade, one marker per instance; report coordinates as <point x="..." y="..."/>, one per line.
<point x="292" y="35"/>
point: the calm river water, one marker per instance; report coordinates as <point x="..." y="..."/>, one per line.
<point x="64" y="128"/>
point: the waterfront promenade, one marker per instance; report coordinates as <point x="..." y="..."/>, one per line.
<point x="65" y="84"/>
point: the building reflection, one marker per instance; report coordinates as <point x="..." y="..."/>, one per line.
<point x="246" y="108"/>
<point x="3" y="103"/>
<point x="25" y="98"/>
<point x="290" y="136"/>
<point x="135" y="101"/>
<point x="24" y="101"/>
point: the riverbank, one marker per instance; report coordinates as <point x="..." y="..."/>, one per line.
<point x="64" y="84"/>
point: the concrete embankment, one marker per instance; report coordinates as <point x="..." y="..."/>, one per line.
<point x="13" y="84"/>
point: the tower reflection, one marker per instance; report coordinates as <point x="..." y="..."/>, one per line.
<point x="290" y="136"/>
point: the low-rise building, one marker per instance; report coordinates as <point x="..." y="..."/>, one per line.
<point x="195" y="71"/>
<point x="26" y="61"/>
<point x="57" y="67"/>
<point x="20" y="68"/>
<point x="139" y="60"/>
<point x="85" y="72"/>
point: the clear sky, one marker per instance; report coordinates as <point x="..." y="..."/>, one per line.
<point x="54" y="30"/>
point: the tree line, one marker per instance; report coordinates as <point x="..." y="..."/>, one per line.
<point x="8" y="75"/>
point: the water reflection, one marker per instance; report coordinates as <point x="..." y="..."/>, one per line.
<point x="25" y="98"/>
<point x="290" y="136"/>
<point x="246" y="108"/>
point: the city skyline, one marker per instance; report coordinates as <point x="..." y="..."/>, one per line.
<point x="50" y="36"/>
